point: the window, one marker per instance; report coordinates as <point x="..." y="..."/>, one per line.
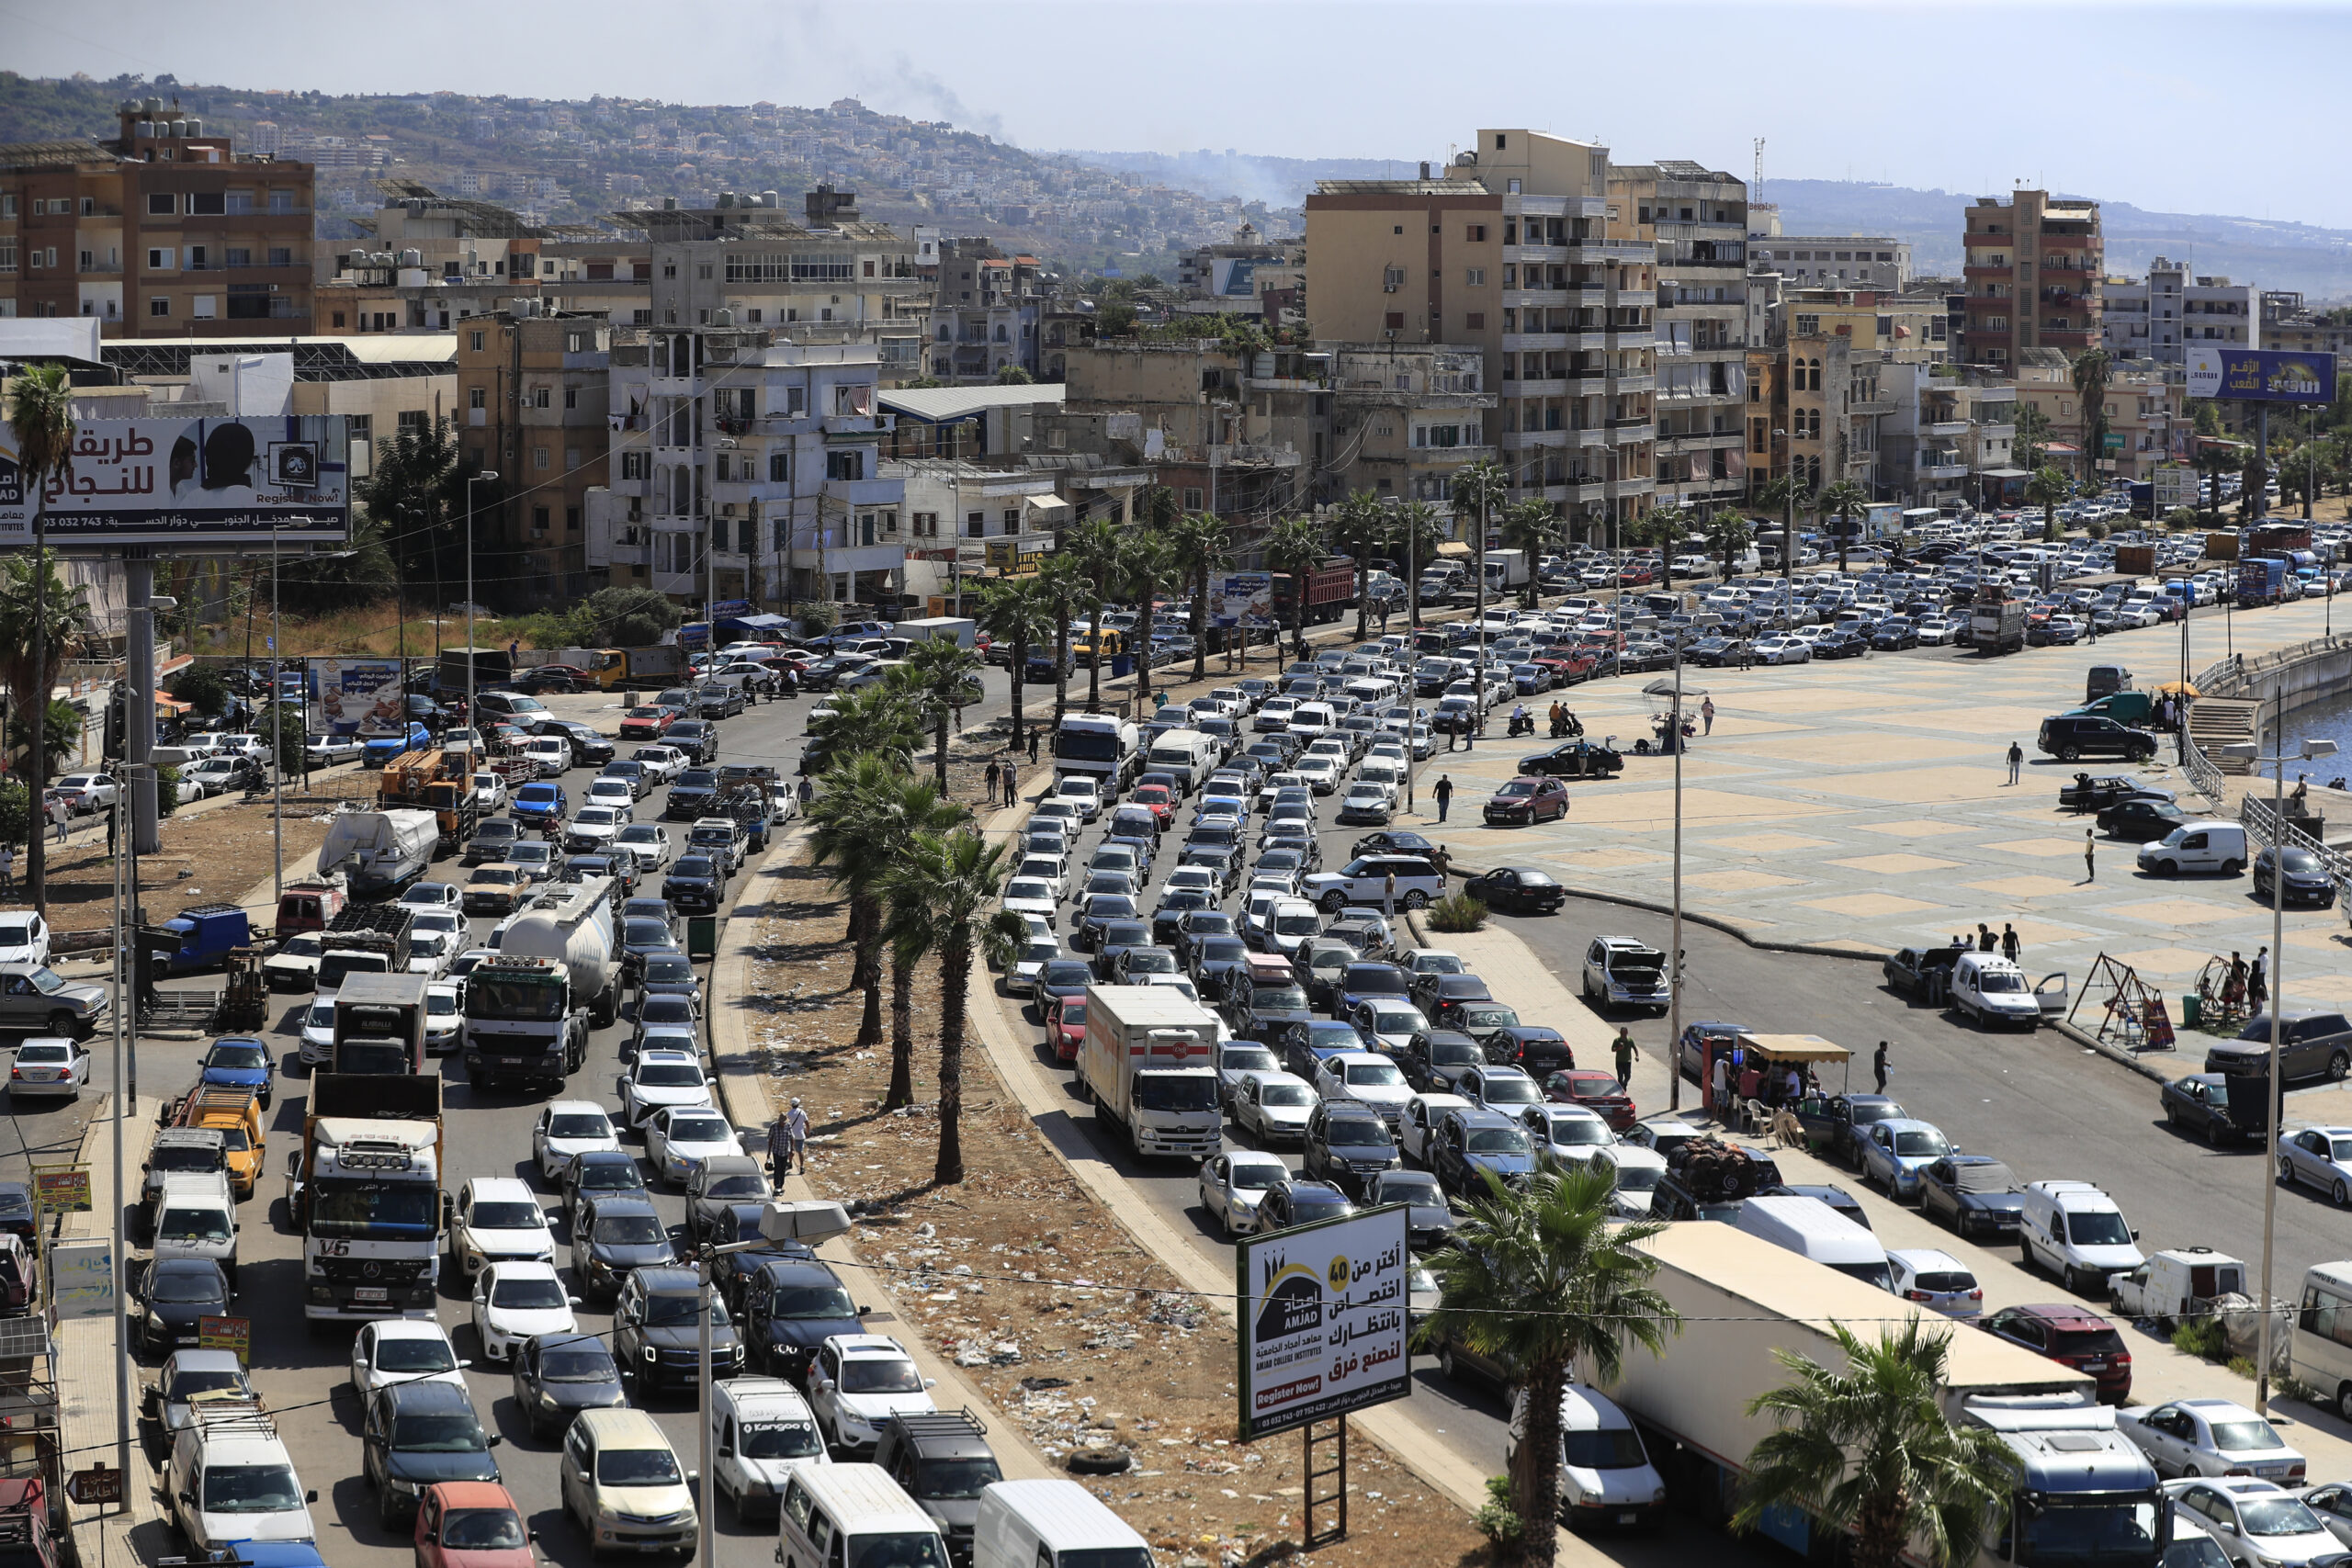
<point x="1192" y="500"/>
<point x="1476" y="321"/>
<point x="572" y="461"/>
<point x="844" y="465"/>
<point x="159" y="204"/>
<point x="632" y="465"/>
<point x="572" y="396"/>
<point x="779" y="467"/>
<point x="539" y="520"/>
<point x="1394" y="320"/>
<point x="571" y="522"/>
<point x="539" y="458"/>
<point x="1478" y="233"/>
<point x="476" y="397"/>
<point x="537" y="396"/>
<point x="1475" y="277"/>
<point x="1808" y="326"/>
<point x="281" y="201"/>
<point x="926" y="525"/>
<point x="202" y="306"/>
<point x="8" y="256"/>
<point x="161" y="305"/>
<point x="1400" y="228"/>
<point x="159" y="258"/>
<point x="476" y="345"/>
<point x="415" y="421"/>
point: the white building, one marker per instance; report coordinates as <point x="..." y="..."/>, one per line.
<point x="2156" y="316"/>
<point x="964" y="518"/>
<point x="748" y="468"/>
<point x="1822" y="261"/>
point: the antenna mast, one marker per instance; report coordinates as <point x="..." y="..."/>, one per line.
<point x="1756" y="185"/>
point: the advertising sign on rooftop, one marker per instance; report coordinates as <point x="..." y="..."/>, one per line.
<point x="2260" y="375"/>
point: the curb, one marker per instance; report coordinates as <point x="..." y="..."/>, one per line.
<point x="1714" y="922"/>
<point x="2112" y="1052"/>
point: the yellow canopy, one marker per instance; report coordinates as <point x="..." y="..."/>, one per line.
<point x="1796" y="1048"/>
<point x="2178" y="689"/>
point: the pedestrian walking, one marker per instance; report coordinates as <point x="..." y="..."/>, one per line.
<point x="1723" y="1089"/>
<point x="8" y="869"/>
<point x="2090" y="862"/>
<point x="1441" y="858"/>
<point x="2258" y="975"/>
<point x="1033" y="747"/>
<point x="2010" y="945"/>
<point x="808" y="789"/>
<point x="993" y="772"/>
<point x="1985" y="941"/>
<point x="1707" y="716"/>
<point x="1878" y="1066"/>
<point x="1625" y="1051"/>
<point x="780" y="1149"/>
<point x="1444" y="793"/>
<point x="1388" y="897"/>
<point x="2017" y="760"/>
<point x="60" y="813"/>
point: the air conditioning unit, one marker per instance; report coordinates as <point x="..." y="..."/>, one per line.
<point x="273" y="288"/>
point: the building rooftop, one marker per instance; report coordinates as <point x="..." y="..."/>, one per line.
<point x="1401" y="188"/>
<point x="937" y="403"/>
<point x="53" y="154"/>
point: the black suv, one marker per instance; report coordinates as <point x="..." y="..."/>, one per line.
<point x="2069" y="736"/>
<point x="417" y="1434"/>
<point x="557" y="1376"/>
<point x="1348" y="1145"/>
<point x="942" y="1462"/>
<point x="791" y="1306"/>
<point x="657" y="1338"/>
<point x="1436" y="1057"/>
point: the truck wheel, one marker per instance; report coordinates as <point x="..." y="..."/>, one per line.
<point x="2344" y="1402"/>
<point x="61" y="1023"/>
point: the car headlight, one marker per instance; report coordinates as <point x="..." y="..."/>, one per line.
<point x="547" y="1399"/>
<point x="405" y="1488"/>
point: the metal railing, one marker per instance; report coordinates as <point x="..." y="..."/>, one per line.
<point x="2263" y="824"/>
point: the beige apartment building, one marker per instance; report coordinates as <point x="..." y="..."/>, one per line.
<point x="2033" y="267"/>
<point x="1699" y="218"/>
<point x="533" y="386"/>
<point x="2147" y="424"/>
<point x="1406" y="417"/>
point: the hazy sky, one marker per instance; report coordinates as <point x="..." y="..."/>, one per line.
<point x="2209" y="109"/>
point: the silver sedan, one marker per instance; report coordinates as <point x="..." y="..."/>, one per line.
<point x="2321" y="1158"/>
<point x="1232" y="1183"/>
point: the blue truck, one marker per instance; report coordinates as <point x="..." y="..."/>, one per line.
<point x="207" y="934"/>
<point x="2262" y="580"/>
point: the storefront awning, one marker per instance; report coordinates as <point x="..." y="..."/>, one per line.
<point x="2005" y="474"/>
<point x="1453" y="547"/>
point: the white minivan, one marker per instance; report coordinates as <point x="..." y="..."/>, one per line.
<point x="2218" y="846"/>
<point x="2322" y="1344"/>
<point x="1052" y="1524"/>
<point x="853" y="1513"/>
<point x="2076" y="1232"/>
<point x="1606" y="1477"/>
<point x="1993" y="990"/>
<point x="1811" y="1228"/>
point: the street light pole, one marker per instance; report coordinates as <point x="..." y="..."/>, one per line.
<point x="472" y="721"/>
<point x="276" y="736"/>
<point x="121" y="988"/>
<point x="1674" y="691"/>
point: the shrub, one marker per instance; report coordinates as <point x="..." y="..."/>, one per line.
<point x="202" y="687"/>
<point x="1458" y="912"/>
<point x="2202" y="1337"/>
<point x="1499" y="1520"/>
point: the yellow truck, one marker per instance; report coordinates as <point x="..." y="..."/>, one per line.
<point x="236" y="1111"/>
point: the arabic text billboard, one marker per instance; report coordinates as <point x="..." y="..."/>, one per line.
<point x="2261" y="375"/>
<point x="1322" y="1320"/>
<point x="1245" y="599"/>
<point x="357" y="696"/>
<point x="208" y="482"/>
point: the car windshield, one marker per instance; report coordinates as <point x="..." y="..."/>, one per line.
<point x="577" y="1366"/>
<point x="1375" y="1075"/>
<point x="638" y="1467"/>
<point x="2277" y="1516"/>
<point x="1278" y="998"/>
<point x="437" y="1434"/>
<point x="1295" y="924"/>
<point x="1638" y="1178"/>
<point x="1497" y="1141"/>
<point x="1246" y="1059"/>
<point x="509" y="1216"/>
<point x="1410" y="1189"/>
<point x="2244" y="1436"/>
<point x="225" y="1055"/>
<point x="414" y="1355"/>
<point x="667" y="1311"/>
<point x="1167" y="1091"/>
<point x="1612" y="1448"/>
<point x="1285" y="1094"/>
<point x="780" y="1439"/>
<point x="251" y="1489"/>
<point x="880" y="1374"/>
<point x="194" y="1224"/>
<point x="628" y="1230"/>
<point x="1510" y="1091"/>
<point x="808" y="1304"/>
<point x="956" y="1478"/>
<point x="2098" y="1228"/>
<point x="696" y="1130"/>
<point x="1578" y="1130"/>
<point x="1921" y="1144"/>
<point x="183" y="1285"/>
<point x="203" y="1382"/>
<point x="482" y="1530"/>
<point x="669" y="1075"/>
<point x="924" y="1550"/>
<point x="1995" y="981"/>
<point x="1357" y="1133"/>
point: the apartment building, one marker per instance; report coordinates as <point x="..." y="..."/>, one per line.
<point x="1821" y="406"/>
<point x="2145" y="408"/>
<point x="748" y="465"/>
<point x="1405" y="418"/>
<point x="1700" y="218"/>
<point x="1244" y="436"/>
<point x="1850" y="261"/>
<point x="1951" y="437"/>
<point x="166" y="231"/>
<point x="965" y="520"/>
<point x="1247" y="275"/>
<point x="2033" y="267"/>
<point x="535" y="390"/>
<point x="2154" y="317"/>
<point x="2287" y="324"/>
<point x="985" y="313"/>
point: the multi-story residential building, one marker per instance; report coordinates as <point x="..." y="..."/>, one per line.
<point x="985" y="314"/>
<point x="1951" y="437"/>
<point x="165" y="232"/>
<point x="2034" y="266"/>
<point x="1244" y="436"/>
<point x="1406" y="417"/>
<point x="1851" y="261"/>
<point x="964" y="519"/>
<point x="534" y="386"/>
<point x="1700" y="218"/>
<point x="2287" y="326"/>
<point x="1238" y="275"/>
<point x="971" y="424"/>
<point x="2146" y="421"/>
<point x="747" y="466"/>
<point x="2156" y="317"/>
<point x="1823" y="407"/>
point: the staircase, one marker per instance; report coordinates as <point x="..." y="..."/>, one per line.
<point x="2216" y="722"/>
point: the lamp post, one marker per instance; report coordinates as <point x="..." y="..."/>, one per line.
<point x="1673" y="689"/>
<point x="472" y="723"/>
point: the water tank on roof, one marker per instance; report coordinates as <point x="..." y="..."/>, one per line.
<point x="358" y="259"/>
<point x="769" y="199"/>
<point x="154" y="106"/>
<point x="520" y="309"/>
<point x="194" y="126"/>
<point x="411" y="258"/>
<point x="383" y="258"/>
<point x="669" y="204"/>
<point x="722" y="317"/>
<point x="727" y="198"/>
<point x="179" y="127"/>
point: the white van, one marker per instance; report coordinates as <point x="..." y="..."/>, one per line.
<point x="196" y="1216"/>
<point x="2321" y="1347"/>
<point x="1993" y="990"/>
<point x="2217" y="847"/>
<point x="1606" y="1477"/>
<point x="1189" y="755"/>
<point x="853" y="1513"/>
<point x="1811" y="1228"/>
<point x="2077" y="1233"/>
<point x="1052" y="1524"/>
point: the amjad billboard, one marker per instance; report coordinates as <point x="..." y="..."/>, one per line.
<point x="1323" y="1320"/>
<point x="207" y="482"/>
<point x="2261" y="375"/>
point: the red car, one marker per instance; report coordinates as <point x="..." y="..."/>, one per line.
<point x="1636" y="575"/>
<point x="471" y="1524"/>
<point x="1065" y="1025"/>
<point x="1528" y="798"/>
<point x="556" y="678"/>
<point x="1158" y="798"/>
<point x="648" y="723"/>
<point x="1595" y="1090"/>
<point x="2072" y="1336"/>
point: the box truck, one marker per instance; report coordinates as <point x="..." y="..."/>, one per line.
<point x="1146" y="1068"/>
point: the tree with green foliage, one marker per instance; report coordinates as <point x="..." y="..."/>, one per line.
<point x="2049" y="489"/>
<point x="1532" y="525"/>
<point x="40" y="425"/>
<point x="202" y="687"/>
<point x="1868" y="1449"/>
<point x="1203" y="547"/>
<point x="418" y="493"/>
<point x="942" y="675"/>
<point x="1147" y="568"/>
<point x="1013" y="376"/>
<point x="1114" y="319"/>
<point x="59" y="736"/>
<point x="1295" y="546"/>
<point x="1727" y="535"/>
<point x="1363" y="527"/>
<point x="1420" y="529"/>
<point x="1555" y="1245"/>
<point x="1786" y="495"/>
<point x="1012" y="612"/>
<point x="1062" y="579"/>
<point x="629" y="617"/>
<point x="360" y="574"/>
<point x="844" y="839"/>
<point x="2092" y="370"/>
<point x="2033" y="436"/>
<point x="1845" y="498"/>
<point x="2214" y="460"/>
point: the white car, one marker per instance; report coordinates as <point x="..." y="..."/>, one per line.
<point x="648" y="841"/>
<point x="680" y="1138"/>
<point x="434" y="895"/>
<point x="24" y="937"/>
<point x="762" y="1430"/>
<point x="1053" y="870"/>
<point x="1639" y="1170"/>
<point x="1567" y="1132"/>
<point x="402" y="1350"/>
<point x="568" y="1129"/>
<point x="1937" y="1280"/>
<point x="1321" y="773"/>
<point x="87" y="793"/>
<point x="2258" y="1523"/>
<point x="660" y="1080"/>
<point x="2211" y="1436"/>
<point x="318" y="1032"/>
<point x="1028" y="964"/>
<point x="1082" y="791"/>
<point x="1274" y="1108"/>
<point x="2320" y="1157"/>
<point x="448" y="922"/>
<point x="857" y="1381"/>
<point x="1031" y="895"/>
<point x="594" y="826"/>
<point x="1782" y="650"/>
<point x="1389" y="1022"/>
<point x="1366" y="1076"/>
<point x="429" y="953"/>
<point x="295" y="965"/>
<point x="49" y="1065"/>
<point x="490" y="792"/>
<point x="514" y="1301"/>
<point x="1937" y="631"/>
<point x="1231" y="1184"/>
<point x="1367" y="803"/>
<point x="1605" y="1472"/>
<point x="614" y="791"/>
<point x="443" y="1016"/>
<point x="499" y="1219"/>
<point x="664" y="763"/>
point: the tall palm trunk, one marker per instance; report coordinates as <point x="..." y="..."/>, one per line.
<point x="939" y="748"/>
<point x="37" y="765"/>
<point x="1144" y="618"/>
<point x="1095" y="662"/>
<point x="1537" y="1497"/>
<point x="955" y="977"/>
<point x="1061" y="669"/>
<point x="1201" y="622"/>
<point x="1020" y="679"/>
<point x="1363" y="578"/>
<point x="865" y="929"/>
<point x="902" y="1035"/>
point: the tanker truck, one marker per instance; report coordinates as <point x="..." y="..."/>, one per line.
<point x="528" y="1010"/>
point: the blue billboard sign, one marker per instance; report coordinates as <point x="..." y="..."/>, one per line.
<point x="2260" y="375"/>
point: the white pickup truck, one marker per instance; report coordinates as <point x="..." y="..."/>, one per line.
<point x="2177" y="1283"/>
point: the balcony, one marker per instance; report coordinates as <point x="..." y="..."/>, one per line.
<point x="1613" y="251"/>
<point x="1540" y="387"/>
<point x="1539" y="299"/>
<point x="1944" y="471"/>
<point x="856" y="426"/>
<point x="1631" y="432"/>
<point x="1444" y="456"/>
<point x="1974" y="270"/>
<point x="1866" y="410"/>
<point x="1535" y="343"/>
<point x="1240" y="454"/>
<point x="1945" y="427"/>
<point x="1640" y="382"/>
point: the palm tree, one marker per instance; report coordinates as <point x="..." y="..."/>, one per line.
<point x="1529" y="526"/>
<point x="1013" y="612"/>
<point x="877" y="720"/>
<point x="2046" y="488"/>
<point x="846" y="835"/>
<point x="1201" y="547"/>
<point x="1660" y="528"/>
<point x="1423" y="526"/>
<point x="1785" y="494"/>
<point x="1727" y="535"/>
<point x="1060" y="580"/>
<point x="943" y="675"/>
<point x="1147" y="566"/>
<point x="894" y="816"/>
<point x="2091" y="371"/>
<point x="40" y="421"/>
<point x="1095" y="545"/>
<point x="1552" y="1243"/>
<point x="1361" y="526"/>
<point x="1869" y="1449"/>
<point x="1844" y="498"/>
<point x="1295" y="546"/>
<point x="1480" y="491"/>
<point x="2213" y="461"/>
<point x="939" y="891"/>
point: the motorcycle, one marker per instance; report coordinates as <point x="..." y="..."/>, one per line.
<point x="1521" y="723"/>
<point x="1565" y="725"/>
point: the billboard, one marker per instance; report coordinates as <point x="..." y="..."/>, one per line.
<point x="1323" y="1320"/>
<point x="1231" y="278"/>
<point x="82" y="1278"/>
<point x="209" y="482"/>
<point x="1243" y="599"/>
<point x="2174" y="487"/>
<point x="357" y="696"/>
<point x="2261" y="375"/>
